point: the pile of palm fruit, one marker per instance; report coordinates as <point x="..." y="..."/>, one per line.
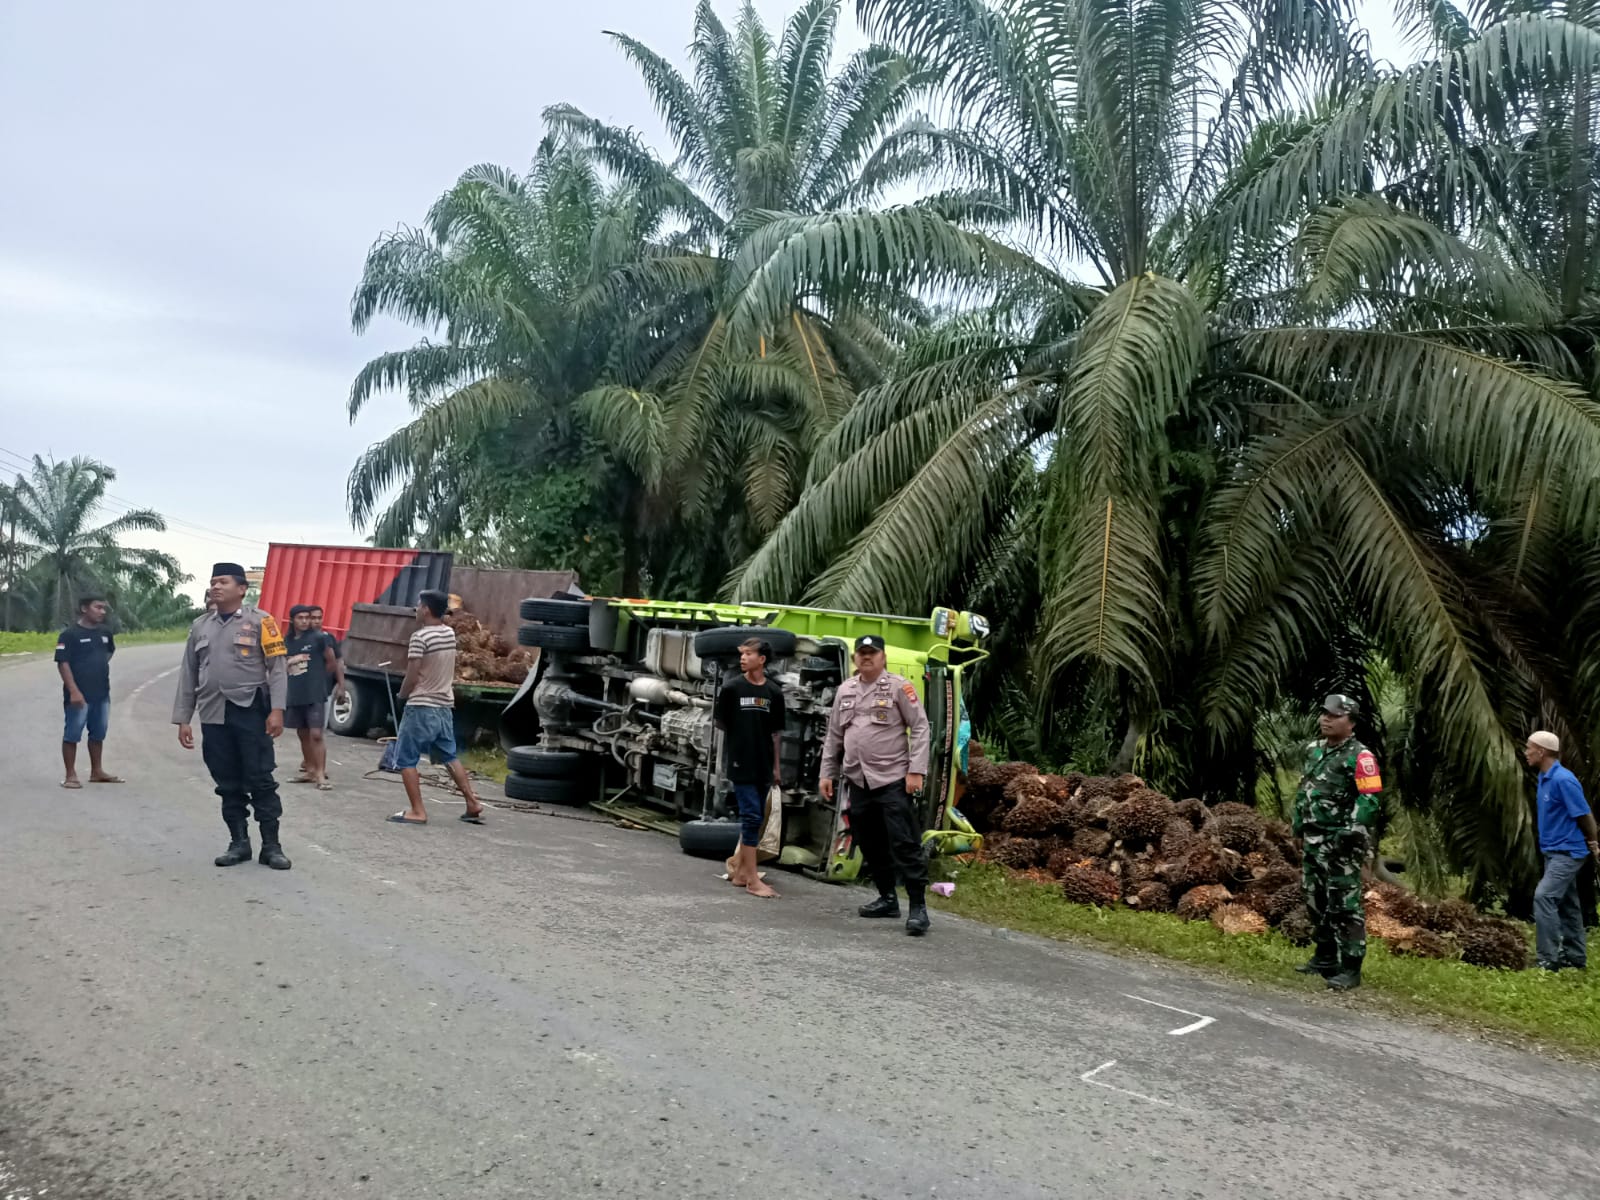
<point x="483" y="656"/>
<point x="1112" y="840"/>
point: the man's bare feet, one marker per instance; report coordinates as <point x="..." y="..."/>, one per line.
<point x="758" y="888"/>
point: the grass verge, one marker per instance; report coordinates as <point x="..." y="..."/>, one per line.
<point x="487" y="761"/>
<point x="39" y="643"/>
<point x="1561" y="1009"/>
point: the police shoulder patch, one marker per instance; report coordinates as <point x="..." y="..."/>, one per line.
<point x="1368" y="779"/>
<point x="271" y="639"/>
<point x="911" y="693"/>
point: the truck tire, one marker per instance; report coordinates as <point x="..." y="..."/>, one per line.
<point x="555" y="637"/>
<point x="546" y="764"/>
<point x="724" y="642"/>
<point x="360" y="713"/>
<point x="570" y="792"/>
<point x="709" y="839"/>
<point x="556" y="612"/>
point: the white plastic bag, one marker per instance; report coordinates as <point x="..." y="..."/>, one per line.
<point x="771" y="843"/>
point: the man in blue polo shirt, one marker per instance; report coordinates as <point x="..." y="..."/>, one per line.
<point x="1567" y="836"/>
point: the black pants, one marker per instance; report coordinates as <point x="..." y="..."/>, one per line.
<point x="885" y="826"/>
<point x="239" y="755"/>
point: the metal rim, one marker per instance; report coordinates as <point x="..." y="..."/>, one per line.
<point x="344" y="710"/>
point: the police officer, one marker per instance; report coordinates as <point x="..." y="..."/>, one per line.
<point x="878" y="736"/>
<point x="1333" y="810"/>
<point x="234" y="672"/>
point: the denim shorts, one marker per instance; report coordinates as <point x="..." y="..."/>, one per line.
<point x="426" y="730"/>
<point x="94" y="716"/>
<point x="752" y="801"/>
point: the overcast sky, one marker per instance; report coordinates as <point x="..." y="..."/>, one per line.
<point x="190" y="189"/>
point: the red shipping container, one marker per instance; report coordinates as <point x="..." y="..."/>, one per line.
<point x="337" y="577"/>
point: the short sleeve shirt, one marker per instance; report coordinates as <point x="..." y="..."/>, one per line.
<point x="751" y="713"/>
<point x="307" y="668"/>
<point x="87" y="649"/>
<point x="1561" y="803"/>
<point x="435" y="646"/>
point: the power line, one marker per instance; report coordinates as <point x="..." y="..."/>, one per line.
<point x="190" y="528"/>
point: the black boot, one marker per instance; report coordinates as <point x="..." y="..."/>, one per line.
<point x="272" y="856"/>
<point x="883" y="906"/>
<point x="1324" y="962"/>
<point x="917" y="923"/>
<point x="1348" y="978"/>
<point x="238" y="850"/>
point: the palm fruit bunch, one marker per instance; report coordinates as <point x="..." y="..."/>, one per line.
<point x="1237" y="919"/>
<point x="1059" y="862"/>
<point x="1097" y="787"/>
<point x="1240" y="831"/>
<point x="1018" y="853"/>
<point x="1033" y="815"/>
<point x="1279" y="904"/>
<point x="1092" y="843"/>
<point x="1400" y="903"/>
<point x="1050" y="845"/>
<point x="1089" y="885"/>
<point x="1424" y="943"/>
<point x="1203" y="863"/>
<point x="1191" y="810"/>
<point x="1296" y="925"/>
<point x="1495" y="944"/>
<point x="1278" y="836"/>
<point x="1202" y="901"/>
<point x="1072" y="816"/>
<point x="1451" y="916"/>
<point x="1176" y="839"/>
<point x="1232" y="808"/>
<point x="1152" y="897"/>
<point x="1059" y="787"/>
<point x="1142" y="817"/>
<point x="1389" y="928"/>
<point x="1026" y="783"/>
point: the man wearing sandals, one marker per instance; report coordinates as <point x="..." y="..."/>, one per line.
<point x="428" y="724"/>
<point x="749" y="712"/>
<point x="310" y="664"/>
<point x="83" y="657"/>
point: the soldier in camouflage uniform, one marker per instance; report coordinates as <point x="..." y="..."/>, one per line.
<point x="1333" y="810"/>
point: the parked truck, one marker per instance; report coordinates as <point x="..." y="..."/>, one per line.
<point x="369" y="600"/>
<point x="620" y="715"/>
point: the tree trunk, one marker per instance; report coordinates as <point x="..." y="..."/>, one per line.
<point x="632" y="546"/>
<point x="1123" y="763"/>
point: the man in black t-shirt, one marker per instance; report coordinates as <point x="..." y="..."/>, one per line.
<point x="750" y="713"/>
<point x="309" y="663"/>
<point x="83" y="659"/>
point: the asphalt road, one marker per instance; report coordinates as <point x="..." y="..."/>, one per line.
<point x="547" y="1006"/>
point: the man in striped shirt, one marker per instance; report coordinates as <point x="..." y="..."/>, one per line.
<point x="428" y="725"/>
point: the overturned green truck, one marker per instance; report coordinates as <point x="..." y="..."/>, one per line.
<point x="619" y="715"/>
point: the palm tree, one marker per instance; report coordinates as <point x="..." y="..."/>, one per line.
<point x="1259" y="436"/>
<point x="62" y="551"/>
<point x="500" y="264"/>
<point x="795" y="274"/>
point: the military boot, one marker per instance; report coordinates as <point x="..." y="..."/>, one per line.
<point x="917" y="923"/>
<point x="1348" y="978"/>
<point x="1324" y="962"/>
<point x="883" y="906"/>
<point x="238" y="850"/>
<point x="271" y="853"/>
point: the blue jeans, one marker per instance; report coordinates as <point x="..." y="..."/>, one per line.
<point x="95" y="716"/>
<point x="1557" y="915"/>
<point x="430" y="731"/>
<point x="752" y="801"/>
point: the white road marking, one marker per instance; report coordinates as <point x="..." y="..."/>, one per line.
<point x="1200" y="1024"/>
<point x="1089" y="1077"/>
<point x="127" y="705"/>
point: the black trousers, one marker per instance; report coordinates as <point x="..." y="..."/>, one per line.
<point x="885" y="826"/>
<point x="239" y="755"/>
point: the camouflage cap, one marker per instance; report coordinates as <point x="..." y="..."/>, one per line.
<point x="1340" y="705"/>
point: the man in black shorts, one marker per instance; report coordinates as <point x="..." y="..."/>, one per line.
<point x="310" y="663"/>
<point x="336" y="687"/>
<point x="750" y="713"/>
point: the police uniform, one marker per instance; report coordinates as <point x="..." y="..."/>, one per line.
<point x="877" y="735"/>
<point x="234" y="676"/>
<point x="1334" y="806"/>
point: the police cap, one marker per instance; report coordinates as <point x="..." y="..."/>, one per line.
<point x="869" y="641"/>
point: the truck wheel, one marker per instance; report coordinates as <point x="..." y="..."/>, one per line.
<point x="546" y="764"/>
<point x="353" y="717"/>
<point x="556" y="612"/>
<point x="724" y="642"/>
<point x="709" y="839"/>
<point x="554" y="637"/>
<point x="570" y="792"/>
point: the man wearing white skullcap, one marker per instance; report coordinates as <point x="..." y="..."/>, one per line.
<point x="1567" y="836"/>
